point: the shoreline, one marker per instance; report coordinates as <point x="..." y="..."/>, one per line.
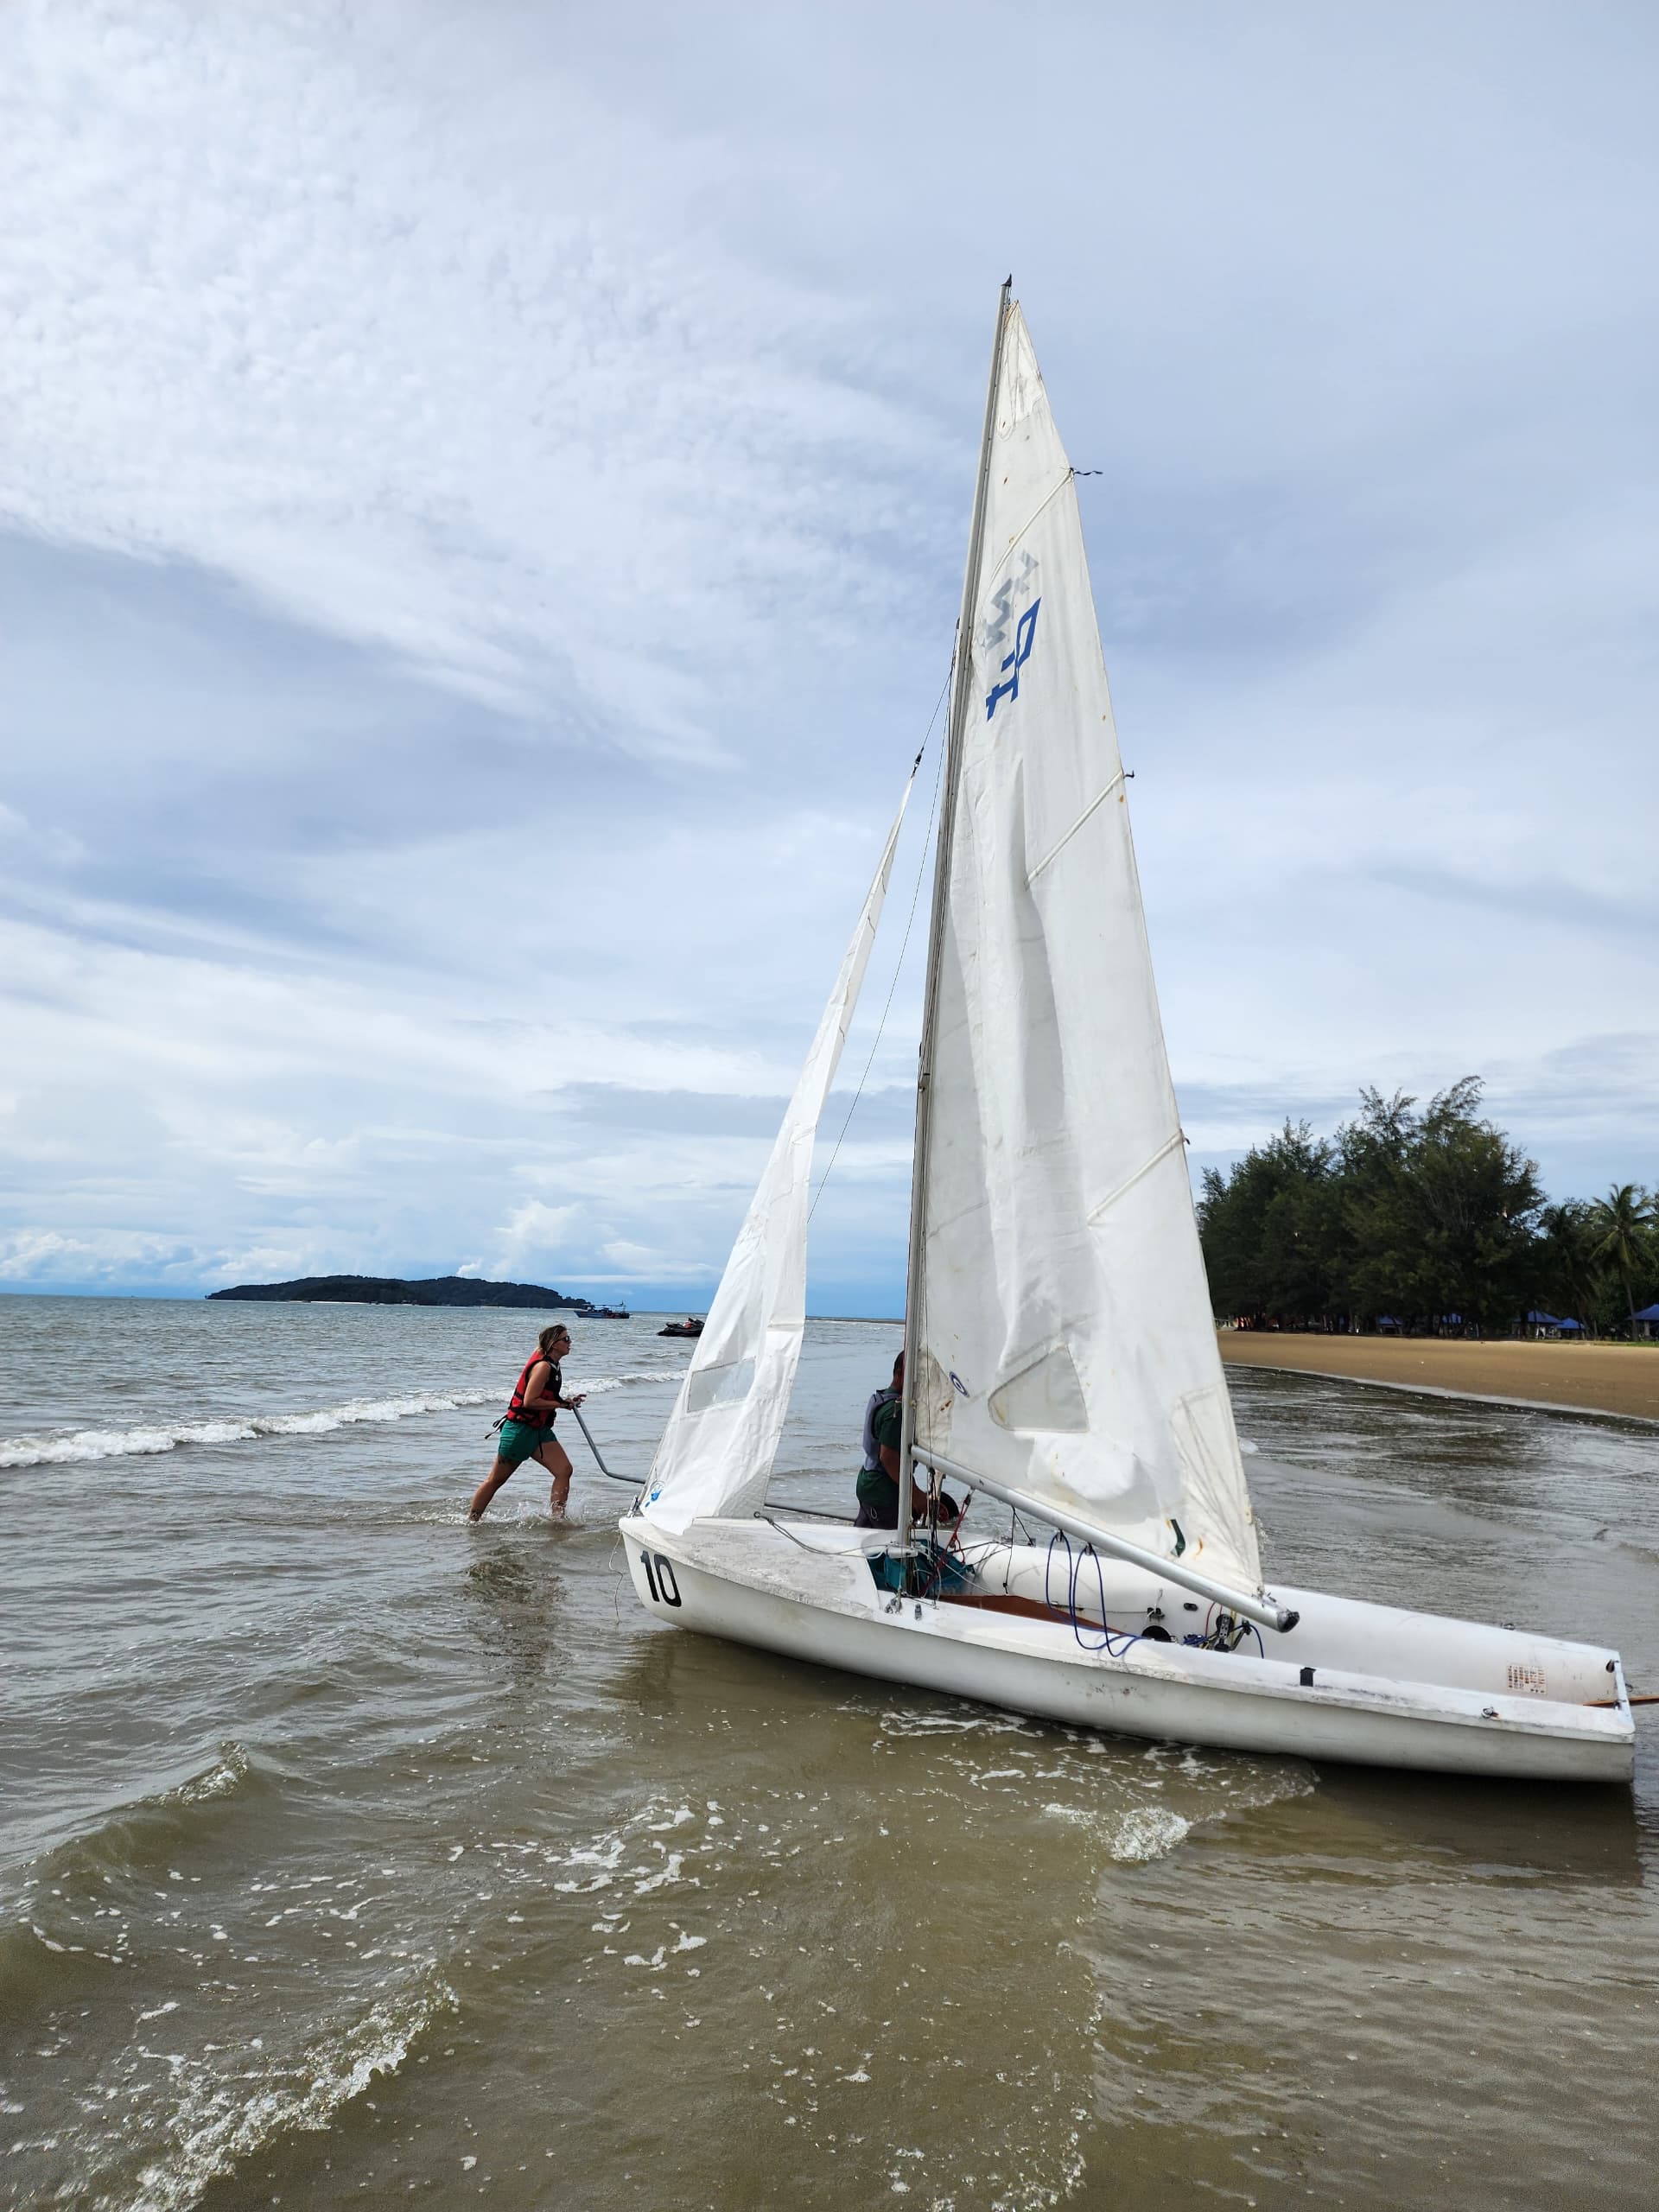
<point x="1619" y="1382"/>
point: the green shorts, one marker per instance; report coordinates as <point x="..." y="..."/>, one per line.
<point x="518" y="1442"/>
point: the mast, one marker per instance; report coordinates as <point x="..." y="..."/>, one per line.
<point x="960" y="697"/>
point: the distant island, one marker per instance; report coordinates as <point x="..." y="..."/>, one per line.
<point x="391" y="1290"/>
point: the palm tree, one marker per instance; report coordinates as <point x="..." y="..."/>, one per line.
<point x="1620" y="1226"/>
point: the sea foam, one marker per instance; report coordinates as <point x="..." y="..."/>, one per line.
<point x="219" y="2119"/>
<point x="89" y="1444"/>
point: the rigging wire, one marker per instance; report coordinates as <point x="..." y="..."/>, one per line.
<point x="909" y="923"/>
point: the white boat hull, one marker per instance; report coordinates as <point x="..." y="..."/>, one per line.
<point x="1510" y="1704"/>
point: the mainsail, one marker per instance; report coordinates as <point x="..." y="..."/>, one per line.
<point x="1062" y="1343"/>
<point x="716" y="1453"/>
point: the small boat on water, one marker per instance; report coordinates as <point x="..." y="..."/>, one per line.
<point x="607" y="1314"/>
<point x="1062" y="1370"/>
<point x="689" y="1327"/>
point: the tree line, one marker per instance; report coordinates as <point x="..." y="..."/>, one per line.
<point x="1428" y="1218"/>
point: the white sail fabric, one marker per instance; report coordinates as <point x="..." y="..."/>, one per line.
<point x="1064" y="1325"/>
<point x="716" y="1453"/>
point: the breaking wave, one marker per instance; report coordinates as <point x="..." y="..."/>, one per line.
<point x="139" y="1835"/>
<point x="1149" y="1832"/>
<point x="219" y="2119"/>
<point x="84" y="1443"/>
<point x="90" y="1444"/>
<point x="1211" y="1789"/>
<point x="48" y="1930"/>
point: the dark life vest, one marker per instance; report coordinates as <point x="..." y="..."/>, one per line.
<point x="542" y="1418"/>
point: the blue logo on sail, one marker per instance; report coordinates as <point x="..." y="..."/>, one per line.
<point x="1025" y="630"/>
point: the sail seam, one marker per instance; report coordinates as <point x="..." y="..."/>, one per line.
<point x="1060" y="844"/>
<point x="1129" y="1182"/>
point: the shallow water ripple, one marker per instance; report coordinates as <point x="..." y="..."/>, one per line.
<point x="352" y="1852"/>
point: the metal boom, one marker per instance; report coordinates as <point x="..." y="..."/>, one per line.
<point x="1260" y="1607"/>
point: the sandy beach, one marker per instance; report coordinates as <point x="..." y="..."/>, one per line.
<point x="1584" y="1378"/>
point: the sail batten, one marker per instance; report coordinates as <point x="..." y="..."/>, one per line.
<point x="1060" y="1326"/>
<point x="1054" y="851"/>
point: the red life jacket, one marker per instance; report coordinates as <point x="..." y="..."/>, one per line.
<point x="544" y="1417"/>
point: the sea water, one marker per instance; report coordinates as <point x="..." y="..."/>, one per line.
<point x="355" y="1855"/>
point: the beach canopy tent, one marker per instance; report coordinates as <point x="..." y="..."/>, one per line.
<point x="1648" y="1320"/>
<point x="1552" y="1324"/>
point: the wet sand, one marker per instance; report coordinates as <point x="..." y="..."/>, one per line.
<point x="1580" y="1378"/>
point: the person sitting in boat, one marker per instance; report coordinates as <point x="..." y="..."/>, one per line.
<point x="877" y="1478"/>
<point x="527" y="1427"/>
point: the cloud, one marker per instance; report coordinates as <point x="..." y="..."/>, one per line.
<point x="298" y="293"/>
<point x="640" y="1263"/>
<point x="484" y="501"/>
<point x="534" y="1230"/>
<point x="112" y="1259"/>
<point x="670" y="1112"/>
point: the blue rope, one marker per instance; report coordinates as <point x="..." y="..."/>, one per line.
<point x="1059" y="1537"/>
<point x="1126" y="1637"/>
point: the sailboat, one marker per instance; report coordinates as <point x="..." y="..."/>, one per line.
<point x="1062" y="1371"/>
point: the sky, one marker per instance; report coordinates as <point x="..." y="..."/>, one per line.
<point x="483" y="492"/>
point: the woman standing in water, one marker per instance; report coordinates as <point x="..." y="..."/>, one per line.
<point x="527" y="1431"/>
